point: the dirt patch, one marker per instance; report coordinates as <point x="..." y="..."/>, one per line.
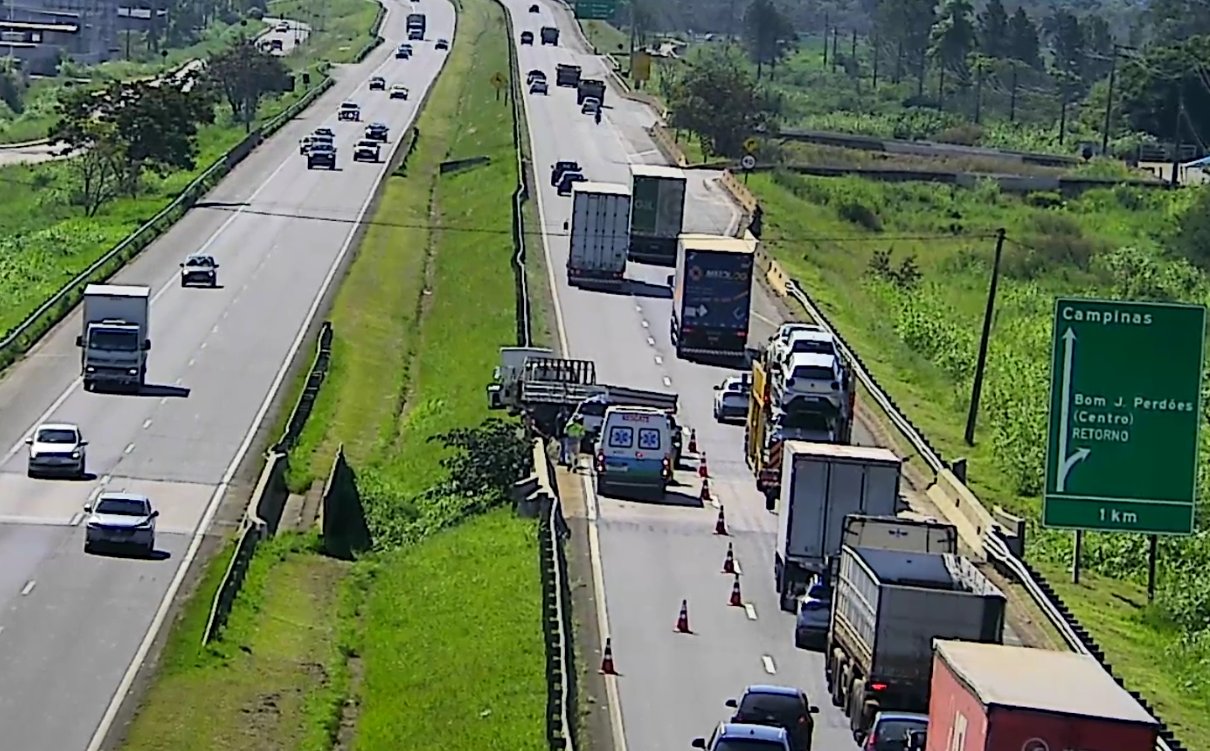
<point x="351" y="708"/>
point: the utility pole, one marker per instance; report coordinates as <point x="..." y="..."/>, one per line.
<point x="1176" y="132"/>
<point x="826" y="28"/>
<point x="984" y="341"/>
<point x="1012" y="98"/>
<point x="835" y="36"/>
<point x="1113" y="73"/>
<point x="874" y="53"/>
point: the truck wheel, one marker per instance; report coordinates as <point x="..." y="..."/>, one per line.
<point x="88" y="386"/>
<point x="855" y="703"/>
<point x="770" y="500"/>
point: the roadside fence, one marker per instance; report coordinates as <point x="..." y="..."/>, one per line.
<point x="521" y="194"/>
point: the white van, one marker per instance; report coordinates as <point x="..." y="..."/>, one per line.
<point x="634" y="452"/>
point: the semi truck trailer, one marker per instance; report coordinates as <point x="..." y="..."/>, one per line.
<point x="887" y="608"/>
<point x="822" y="484"/>
<point x="658" y="213"/>
<point x="712" y="296"/>
<point x="600" y="233"/>
<point x="116" y="335"/>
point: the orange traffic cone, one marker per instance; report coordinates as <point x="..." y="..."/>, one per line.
<point x="701" y="467"/>
<point x="682" y="620"/>
<point x="705" y="497"/>
<point x="692" y="441"/>
<point x="729" y="562"/>
<point x="607" y="659"/>
<point x="737" y="599"/>
<point x="720" y="525"/>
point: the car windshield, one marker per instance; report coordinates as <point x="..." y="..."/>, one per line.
<point x="779" y="708"/>
<point x="819" y="346"/>
<point x="122" y="506"/>
<point x="736" y="387"/>
<point x="56" y="435"/>
<point x="199" y="261"/>
<point x="348" y="106"/>
<point x="813" y="373"/>
<point x="368" y="144"/>
<point x="747" y="744"/>
<point x="114" y="341"/>
<point x="895" y="730"/>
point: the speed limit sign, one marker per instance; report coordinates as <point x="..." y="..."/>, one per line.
<point x="748" y="162"/>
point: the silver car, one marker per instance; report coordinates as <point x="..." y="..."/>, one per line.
<point x="56" y="449"/>
<point x="120" y="520"/>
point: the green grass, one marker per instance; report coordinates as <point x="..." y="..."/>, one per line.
<point x="453" y="648"/>
<point x="339" y="28"/>
<point x="277" y="676"/>
<point x="608" y="39"/>
<point x="920" y="339"/>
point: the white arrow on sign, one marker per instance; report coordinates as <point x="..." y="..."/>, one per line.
<point x="1066" y="463"/>
<point x="702" y="310"/>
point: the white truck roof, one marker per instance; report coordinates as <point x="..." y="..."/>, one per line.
<point x="717" y="243"/>
<point x="613" y="189"/>
<point x="118" y="290"/>
<point x="1039" y="679"/>
<point x="841" y="451"/>
<point x="657" y="170"/>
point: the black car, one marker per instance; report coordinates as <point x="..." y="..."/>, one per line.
<point x="403" y="54"/>
<point x="442" y="44"/>
<point x="527" y="37"/>
<point x="378" y="83"/>
<point x="199" y="269"/>
<point x="556" y="172"/>
<point x="777" y="706"/>
<point x="377" y="132"/>
<point x="567" y="180"/>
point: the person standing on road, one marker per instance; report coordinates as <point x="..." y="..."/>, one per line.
<point x="573" y="435"/>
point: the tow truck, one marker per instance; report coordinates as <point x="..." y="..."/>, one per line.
<point x="537" y="383"/>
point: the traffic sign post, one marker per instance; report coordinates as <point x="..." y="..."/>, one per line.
<point x="1125" y="411"/>
<point x="498" y="81"/>
<point x="748" y="162"/>
<point x="599" y="10"/>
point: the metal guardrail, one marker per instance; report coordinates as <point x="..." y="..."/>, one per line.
<point x="556" y="605"/>
<point x="22" y="336"/>
<point x="1076" y="636"/>
<point x="521" y="194"/>
<point x="270" y="492"/>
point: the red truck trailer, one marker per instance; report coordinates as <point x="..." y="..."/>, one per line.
<point x="991" y="697"/>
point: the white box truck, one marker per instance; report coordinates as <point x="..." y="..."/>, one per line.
<point x="600" y="233"/>
<point x="657" y="216"/>
<point x="821" y="485"/>
<point x="116" y="336"/>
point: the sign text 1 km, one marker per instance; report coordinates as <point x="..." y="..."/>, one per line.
<point x="1125" y="409"/>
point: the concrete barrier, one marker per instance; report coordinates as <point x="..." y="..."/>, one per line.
<point x="667" y="145"/>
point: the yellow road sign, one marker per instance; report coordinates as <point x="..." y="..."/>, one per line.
<point x="751" y="146"/>
<point x="498" y="80"/>
<point x="640" y="67"/>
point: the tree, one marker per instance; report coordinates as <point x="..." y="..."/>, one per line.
<point x="1098" y="48"/>
<point x="1167" y="80"/>
<point x="767" y="34"/>
<point x="245" y="75"/>
<point x="718" y="99"/>
<point x="1066" y="43"/>
<point x="993" y="30"/>
<point x="1179" y="20"/>
<point x="906" y="24"/>
<point x="950" y="42"/>
<point x="99" y="167"/>
<point x="1023" y="42"/>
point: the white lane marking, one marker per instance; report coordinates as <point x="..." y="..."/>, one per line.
<point x="95" y="492"/>
<point x="163" y="400"/>
<point x="750" y="609"/>
<point x="767" y="661"/>
<point x="650" y="341"/>
<point x="763" y="319"/>
<point x="639" y="308"/>
<point x="191" y="362"/>
<point x="667" y="381"/>
<point x="659" y="360"/>
<point x="106" y="479"/>
<point x="594" y="542"/>
<point x="173" y="281"/>
<point x="204" y="345"/>
<point x="29" y="587"/>
<point x="76" y="519"/>
<point x="645" y="325"/>
<point x="147" y="423"/>
<point x="214" y="329"/>
<point x="199" y="532"/>
<point x="128" y="449"/>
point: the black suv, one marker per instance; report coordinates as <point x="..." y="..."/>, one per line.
<point x="777" y="706"/>
<point x="377" y="132"/>
<point x="556" y="172"/>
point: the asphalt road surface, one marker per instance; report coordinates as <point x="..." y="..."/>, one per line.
<point x="651" y="556"/>
<point x="73" y="626"/>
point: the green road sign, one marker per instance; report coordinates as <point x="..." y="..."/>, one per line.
<point x="1125" y="408"/>
<point x="601" y="10"/>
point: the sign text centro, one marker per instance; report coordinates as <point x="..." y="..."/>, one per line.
<point x="1125" y="410"/>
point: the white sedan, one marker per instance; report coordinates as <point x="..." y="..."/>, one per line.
<point x="56" y="448"/>
<point x="731" y="399"/>
<point x="120" y="520"/>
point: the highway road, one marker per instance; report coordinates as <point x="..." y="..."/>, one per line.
<point x="649" y="557"/>
<point x="74" y="627"/>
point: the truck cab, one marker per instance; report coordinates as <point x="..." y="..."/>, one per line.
<point x="415" y="26"/>
<point x="115" y="339"/>
<point x="567" y="75"/>
<point x="589" y="88"/>
<point x="550" y="35"/>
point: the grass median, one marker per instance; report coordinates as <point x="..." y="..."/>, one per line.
<point x="441" y="637"/>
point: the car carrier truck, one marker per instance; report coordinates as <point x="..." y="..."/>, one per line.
<point x="115" y="338"/>
<point x="658" y="213"/>
<point x="822" y="484"/>
<point x="887" y="608"/>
